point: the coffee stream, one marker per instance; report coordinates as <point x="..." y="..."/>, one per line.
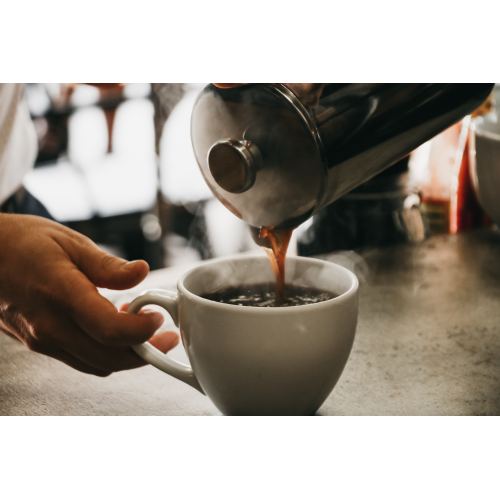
<point x="279" y="240"/>
<point x="278" y="294"/>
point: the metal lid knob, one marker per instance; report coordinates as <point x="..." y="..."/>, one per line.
<point x="234" y="164"/>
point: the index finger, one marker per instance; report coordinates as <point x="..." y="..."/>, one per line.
<point x="100" y="319"/>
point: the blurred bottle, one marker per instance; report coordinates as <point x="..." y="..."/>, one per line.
<point x="432" y="166"/>
<point x="440" y="171"/>
<point x="465" y="211"/>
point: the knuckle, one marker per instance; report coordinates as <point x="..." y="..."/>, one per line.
<point x="78" y="239"/>
<point x="110" y="335"/>
<point x="108" y="261"/>
<point x="82" y="239"/>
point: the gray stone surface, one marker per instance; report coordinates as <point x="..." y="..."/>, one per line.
<point x="428" y="343"/>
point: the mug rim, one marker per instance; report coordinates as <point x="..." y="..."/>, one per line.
<point x="353" y="288"/>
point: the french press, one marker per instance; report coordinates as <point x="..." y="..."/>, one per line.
<point x="274" y="155"/>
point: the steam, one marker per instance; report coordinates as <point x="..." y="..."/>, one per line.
<point x="216" y="275"/>
<point x="352" y="261"/>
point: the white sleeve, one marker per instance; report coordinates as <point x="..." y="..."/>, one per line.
<point x="18" y="142"/>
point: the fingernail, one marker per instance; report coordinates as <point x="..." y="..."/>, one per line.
<point x="157" y="318"/>
<point x="131" y="263"/>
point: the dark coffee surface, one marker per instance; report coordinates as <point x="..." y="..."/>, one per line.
<point x="264" y="295"/>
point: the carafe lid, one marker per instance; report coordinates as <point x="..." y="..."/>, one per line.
<point x="259" y="151"/>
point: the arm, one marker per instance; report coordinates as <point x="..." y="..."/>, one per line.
<point x="49" y="300"/>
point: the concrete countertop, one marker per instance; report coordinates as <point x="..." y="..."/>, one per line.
<point x="427" y="343"/>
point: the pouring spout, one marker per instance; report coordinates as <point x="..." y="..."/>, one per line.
<point x="258" y="238"/>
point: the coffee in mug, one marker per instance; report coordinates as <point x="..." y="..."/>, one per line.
<point x="266" y="295"/>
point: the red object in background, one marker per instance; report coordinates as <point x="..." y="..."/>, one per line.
<point x="442" y="170"/>
<point x="434" y="170"/>
<point x="465" y="210"/>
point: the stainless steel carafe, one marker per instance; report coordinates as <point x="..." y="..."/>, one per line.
<point x="274" y="153"/>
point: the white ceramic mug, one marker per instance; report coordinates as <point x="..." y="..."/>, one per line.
<point x="259" y="360"/>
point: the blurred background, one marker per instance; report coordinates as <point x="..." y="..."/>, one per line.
<point x="115" y="163"/>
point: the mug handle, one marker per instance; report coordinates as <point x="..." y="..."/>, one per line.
<point x="169" y="301"/>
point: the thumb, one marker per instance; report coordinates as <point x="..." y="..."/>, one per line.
<point x="106" y="270"/>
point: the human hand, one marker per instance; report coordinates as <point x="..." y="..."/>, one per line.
<point x="49" y="300"/>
